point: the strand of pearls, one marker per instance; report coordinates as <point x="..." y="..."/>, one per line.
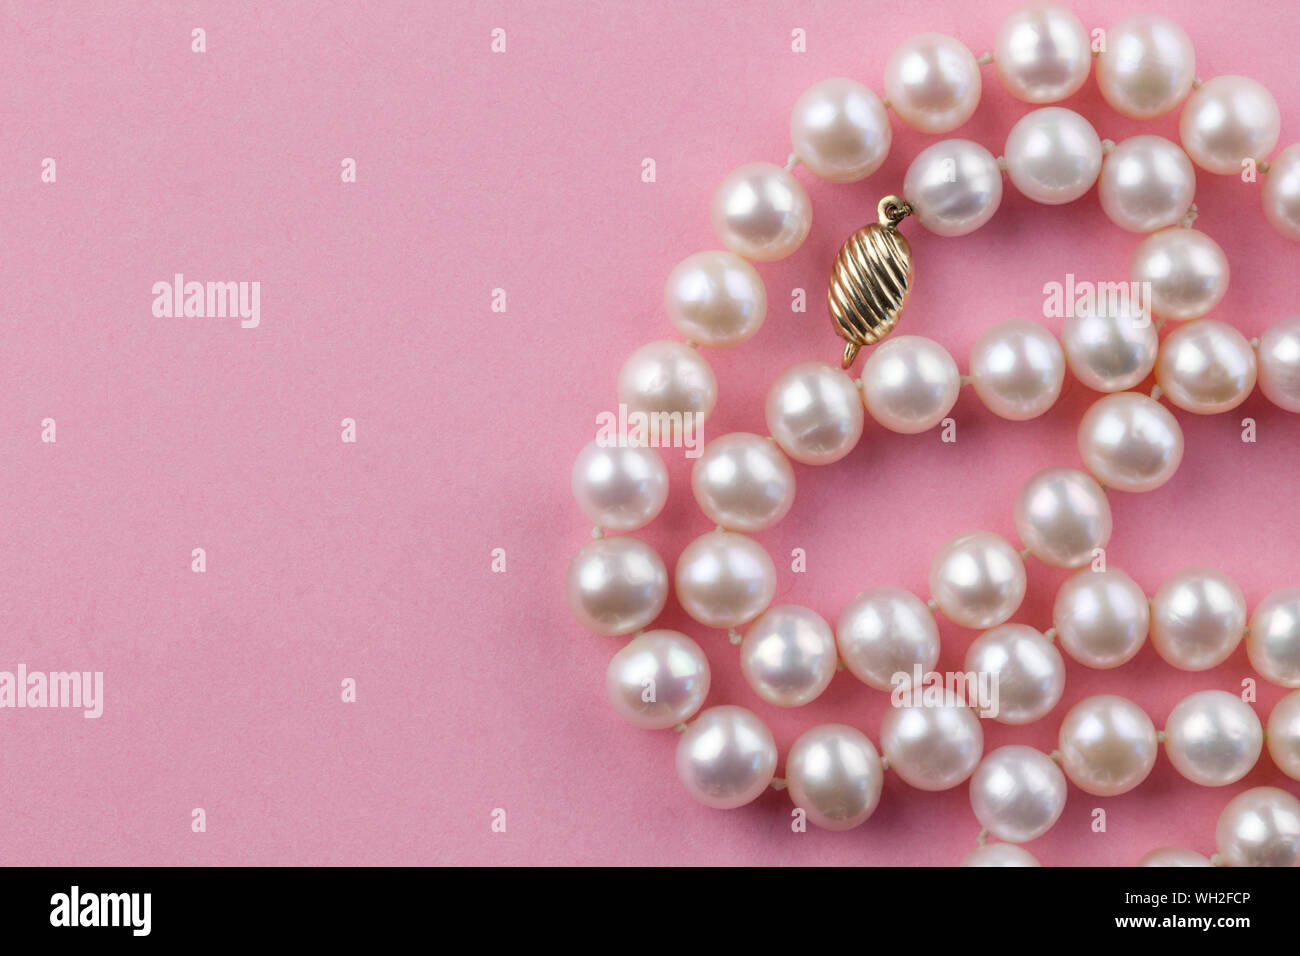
<point x="815" y="413"/>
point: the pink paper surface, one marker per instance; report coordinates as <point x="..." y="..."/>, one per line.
<point x="372" y="560"/>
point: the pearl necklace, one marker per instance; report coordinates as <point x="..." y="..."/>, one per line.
<point x="887" y="637"/>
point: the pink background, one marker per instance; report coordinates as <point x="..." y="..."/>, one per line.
<point x="372" y="561"/>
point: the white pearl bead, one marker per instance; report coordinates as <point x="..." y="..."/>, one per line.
<point x="1042" y="53"/>
<point x="953" y="187"/>
<point x="1173" y="856"/>
<point x="815" y="413"/>
<point x="999" y="854"/>
<point x="620" y="488"/>
<point x="1198" y="617"/>
<point x="1279" y="364"/>
<point x="1053" y="155"/>
<point x="1206" y="367"/>
<point x="1028" y="669"/>
<point x="726" y="758"/>
<point x="725" y="579"/>
<point x="1101" y="618"/>
<point x="1062" y="516"/>
<point x="1017" y="793"/>
<point x="617" y="585"/>
<point x="1147" y="183"/>
<point x="1187" y="270"/>
<point x="659" y="680"/>
<point x="887" y="631"/>
<point x="932" y="748"/>
<point x="1260" y="827"/>
<point x="1147" y="67"/>
<point x="910" y="383"/>
<point x="1273" y="643"/>
<point x="1283" y="735"/>
<point x="1017" y="368"/>
<point x="788" y="656"/>
<point x="743" y="482"/>
<point x="977" y="579"/>
<point x="932" y="82"/>
<point x="667" y="376"/>
<point x="834" y="775"/>
<point x="1281" y="192"/>
<point x="1110" y="350"/>
<point x="1213" y="738"/>
<point x="1108" y="745"/>
<point x="715" y="298"/>
<point x="761" y="212"/>
<point x="840" y="130"/>
<point x="1228" y="120"/>
<point x="1130" y="442"/>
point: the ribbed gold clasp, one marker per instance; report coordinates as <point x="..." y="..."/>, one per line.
<point x="871" y="279"/>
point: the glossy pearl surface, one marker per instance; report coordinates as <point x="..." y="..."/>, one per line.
<point x="616" y="585"/>
<point x="658" y="680"/>
<point x="1017" y="793"/>
<point x="743" y="482"/>
<point x="1028" y="669"/>
<point x="788" y="655"/>
<point x="1017" y="369"/>
<point x="1130" y="442"/>
<point x="954" y="187"/>
<point x="726" y="758"/>
<point x="1279" y="364"/>
<point x="725" y="579"/>
<point x="834" y="774"/>
<point x="815" y="413"/>
<point x="619" y="488"/>
<point x="667" y="376"/>
<point x="885" y="632"/>
<point x="1042" y="53"/>
<point x="1108" y="745"/>
<point x="909" y="383"/>
<point x="1228" y="120"/>
<point x="840" y="130"/>
<point x="999" y="854"/>
<point x="932" y="748"/>
<point x="1281" y="192"/>
<point x="1101" y="617"/>
<point x="1283" y="735"/>
<point x="1213" y="738"/>
<point x="1147" y="67"/>
<point x="932" y="82"/>
<point x="1147" y="183"/>
<point x="761" y="212"/>
<point x="1198" y="617"/>
<point x="1260" y="827"/>
<point x="1206" y="367"/>
<point x="1062" y="516"/>
<point x="1187" y="270"/>
<point x="977" y="579"/>
<point x="715" y="298"/>
<point x="1053" y="155"/>
<point x="1110" y="349"/>
<point x="1273" y="644"/>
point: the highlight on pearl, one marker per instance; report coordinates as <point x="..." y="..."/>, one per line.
<point x="909" y="383"/>
<point x="715" y="298"/>
<point x="1042" y="53"/>
<point x="1279" y="363"/>
<point x="667" y="376"/>
<point x="1147" y="183"/>
<point x="884" y="632"/>
<point x="742" y="482"/>
<point x="1187" y="270"/>
<point x="1281" y="192"/>
<point x="725" y="579"/>
<point x="1053" y="155"/>
<point x="1108" y="745"/>
<point x="999" y="854"/>
<point x="1017" y="368"/>
<point x="1110" y="350"/>
<point x="954" y="187"/>
<point x="1130" y="442"/>
<point x="1148" y="66"/>
<point x="1260" y="827"/>
<point x="840" y="130"/>
<point x="1174" y="856"/>
<point x="977" y="579"/>
<point x="1206" y="367"/>
<point x="932" y="82"/>
<point x="616" y="585"/>
<point x="761" y="212"/>
<point x="814" y="413"/>
<point x="788" y="655"/>
<point x="834" y="775"/>
<point x="1229" y="120"/>
<point x="1028" y="669"/>
<point x="1198" y="617"/>
<point x="1101" y="618"/>
<point x="1283" y="735"/>
<point x="1017" y="793"/>
<point x="619" y="488"/>
<point x="1213" y="738"/>
<point x="726" y="758"/>
<point x="932" y="748"/>
<point x="658" y="680"/>
<point x="1063" y="517"/>
<point x="1273" y="642"/>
